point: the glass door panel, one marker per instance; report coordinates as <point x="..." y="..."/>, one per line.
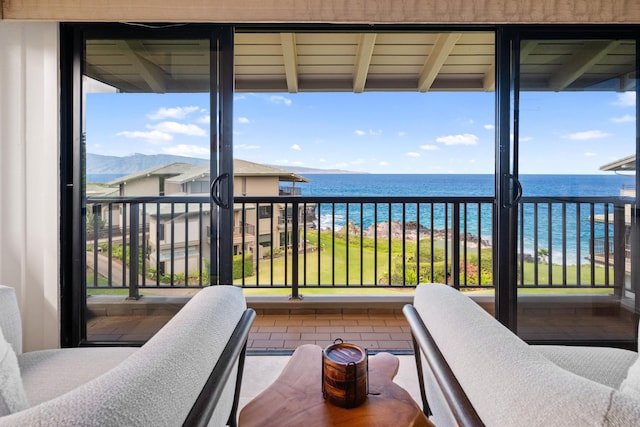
<point x="146" y="141"/>
<point x="575" y="130"/>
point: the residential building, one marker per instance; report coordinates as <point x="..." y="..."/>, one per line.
<point x="169" y="227"/>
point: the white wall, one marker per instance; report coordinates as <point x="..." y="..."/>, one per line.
<point x="29" y="176"/>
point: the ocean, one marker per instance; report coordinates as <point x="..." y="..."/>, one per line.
<point x="577" y="232"/>
<point x="445" y="185"/>
<point x="576" y="235"/>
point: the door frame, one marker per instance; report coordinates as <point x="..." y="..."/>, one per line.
<point x="73" y="310"/>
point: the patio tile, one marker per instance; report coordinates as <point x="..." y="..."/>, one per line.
<point x="281" y="328"/>
<point x="288" y="322"/>
<point x="375" y="336"/>
<point x="306" y="329"/>
<point x="329" y="328"/>
<point x="285" y="336"/>
<point x="315" y="336"/>
<point x="358" y="328"/>
<point x="316" y="322"/>
<point x="269" y="343"/>
<point x="346" y="336"/>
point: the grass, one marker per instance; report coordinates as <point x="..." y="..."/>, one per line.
<point x="322" y="269"/>
<point x="365" y="261"/>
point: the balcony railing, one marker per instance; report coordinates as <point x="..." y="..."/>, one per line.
<point x="289" y="190"/>
<point x="360" y="242"/>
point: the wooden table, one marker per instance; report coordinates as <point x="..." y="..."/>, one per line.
<point x="295" y="398"/>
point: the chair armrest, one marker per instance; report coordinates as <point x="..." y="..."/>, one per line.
<point x="459" y="404"/>
<point x="233" y="352"/>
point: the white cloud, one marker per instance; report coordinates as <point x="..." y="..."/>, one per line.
<point x="187" y="150"/>
<point x="472" y="161"/>
<point x="489" y="127"/>
<point x="278" y="99"/>
<point x="590" y="154"/>
<point x="246" y="147"/>
<point x="154" y="136"/>
<point x="461" y="139"/>
<point x="383" y="163"/>
<point x="429" y="147"/>
<point x="626" y="99"/>
<point x="526" y="138"/>
<point x="413" y="154"/>
<point x="401" y="134"/>
<point x="342" y="165"/>
<point x="589" y="134"/>
<point x="357" y="162"/>
<point x="322" y="160"/>
<point x="371" y="132"/>
<point x="239" y="97"/>
<point x="173" y="113"/>
<point x="297" y="163"/>
<point x="624" y="119"/>
<point x="205" y="120"/>
<point x="180" y="128"/>
<point x="296" y="147"/>
<point x="243" y="120"/>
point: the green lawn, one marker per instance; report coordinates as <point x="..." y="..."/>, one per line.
<point x="331" y="263"/>
<point x="331" y="260"/>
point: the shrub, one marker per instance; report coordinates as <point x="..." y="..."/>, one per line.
<point x="237" y="266"/>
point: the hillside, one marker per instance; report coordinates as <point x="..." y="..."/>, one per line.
<point x="99" y="164"/>
<point x="311" y="171"/>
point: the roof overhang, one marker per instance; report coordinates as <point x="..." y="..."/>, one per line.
<point x="626" y="164"/>
<point x="357" y="62"/>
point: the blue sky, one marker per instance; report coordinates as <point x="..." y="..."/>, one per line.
<point x="379" y="132"/>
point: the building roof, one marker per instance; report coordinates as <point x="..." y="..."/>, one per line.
<point x="625" y="164"/>
<point x="240" y="168"/>
<point x="170" y="169"/>
<point x="246" y="168"/>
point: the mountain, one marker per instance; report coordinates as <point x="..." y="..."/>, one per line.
<point x="310" y="171"/>
<point x="99" y="164"/>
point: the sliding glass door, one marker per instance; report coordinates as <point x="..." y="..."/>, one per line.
<point x="151" y="173"/>
<point x="572" y="187"/>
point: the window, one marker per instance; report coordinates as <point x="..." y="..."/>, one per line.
<point x="264" y="212"/>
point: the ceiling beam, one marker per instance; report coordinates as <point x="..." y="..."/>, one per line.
<point x="151" y="73"/>
<point x="582" y="61"/>
<point x="441" y="50"/>
<point x="363" y="60"/>
<point x="290" y="56"/>
<point x="526" y="47"/>
<point x="489" y="79"/>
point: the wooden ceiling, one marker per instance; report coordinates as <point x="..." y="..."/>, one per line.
<point x="359" y="62"/>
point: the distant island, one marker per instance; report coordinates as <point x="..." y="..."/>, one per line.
<point x="311" y="171"/>
<point x="98" y="164"/>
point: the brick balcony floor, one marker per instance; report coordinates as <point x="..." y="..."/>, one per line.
<point x="272" y="332"/>
<point x="371" y="329"/>
<point x="278" y="329"/>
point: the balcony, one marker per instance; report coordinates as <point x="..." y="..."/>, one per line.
<point x="345" y="266"/>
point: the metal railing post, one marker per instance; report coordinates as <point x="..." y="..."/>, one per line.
<point x="619" y="250"/>
<point x="455" y="245"/>
<point x="96" y="211"/>
<point x="134" y="250"/>
<point x="295" y="240"/>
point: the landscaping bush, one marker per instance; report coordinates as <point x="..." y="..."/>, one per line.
<point x="237" y="266"/>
